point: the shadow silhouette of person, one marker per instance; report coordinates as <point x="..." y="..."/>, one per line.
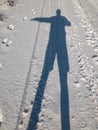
<point x="56" y="46"/>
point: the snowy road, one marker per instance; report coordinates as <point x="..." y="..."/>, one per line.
<point x="33" y="97"/>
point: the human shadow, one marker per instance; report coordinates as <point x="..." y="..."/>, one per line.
<point x="56" y="46"/>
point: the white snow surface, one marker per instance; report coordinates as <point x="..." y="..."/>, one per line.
<point x="21" y="64"/>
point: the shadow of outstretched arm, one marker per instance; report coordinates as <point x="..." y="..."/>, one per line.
<point x="44" y="19"/>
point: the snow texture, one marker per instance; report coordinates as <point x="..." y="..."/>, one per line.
<point x="46" y="86"/>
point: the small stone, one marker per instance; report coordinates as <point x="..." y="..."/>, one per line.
<point x="9" y="43"/>
<point x="73" y="117"/>
<point x="25" y="18"/>
<point x="42" y="119"/>
<point x="21" y="122"/>
<point x="5" y="40"/>
<point x="26" y="110"/>
<point x="11" y="27"/>
<point x="32" y="102"/>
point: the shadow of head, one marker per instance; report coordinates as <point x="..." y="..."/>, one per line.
<point x="58" y="12"/>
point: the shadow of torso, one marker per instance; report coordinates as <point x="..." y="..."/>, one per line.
<point x="57" y="42"/>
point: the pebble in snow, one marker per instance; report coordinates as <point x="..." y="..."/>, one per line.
<point x="32" y="102"/>
<point x="21" y="123"/>
<point x="5" y="40"/>
<point x="25" y="112"/>
<point x="25" y="18"/>
<point x="9" y="43"/>
<point x="11" y="27"/>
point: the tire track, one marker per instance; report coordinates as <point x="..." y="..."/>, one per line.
<point x="20" y="118"/>
<point x="86" y="68"/>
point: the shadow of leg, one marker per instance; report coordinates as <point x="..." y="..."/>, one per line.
<point x="65" y="122"/>
<point x="48" y="66"/>
<point x="34" y="118"/>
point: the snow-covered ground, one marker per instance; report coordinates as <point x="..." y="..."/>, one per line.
<point x="91" y="9"/>
<point x="59" y="100"/>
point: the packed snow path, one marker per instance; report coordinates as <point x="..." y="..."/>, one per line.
<point x="26" y="99"/>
